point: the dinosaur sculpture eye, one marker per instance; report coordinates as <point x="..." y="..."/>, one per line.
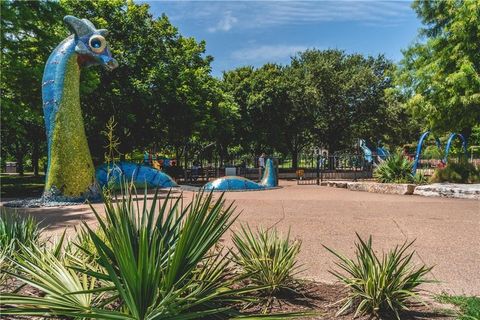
<point x="97" y="43"/>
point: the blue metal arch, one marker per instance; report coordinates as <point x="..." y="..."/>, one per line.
<point x="449" y="144"/>
<point x="419" y="149"/>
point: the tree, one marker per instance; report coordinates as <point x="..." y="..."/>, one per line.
<point x="30" y="31"/>
<point x="441" y="72"/>
<point x="159" y="94"/>
<point x="346" y="96"/>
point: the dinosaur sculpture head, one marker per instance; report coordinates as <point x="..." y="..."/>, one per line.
<point x="91" y="46"/>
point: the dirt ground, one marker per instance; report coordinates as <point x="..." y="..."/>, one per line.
<point x="447" y="231"/>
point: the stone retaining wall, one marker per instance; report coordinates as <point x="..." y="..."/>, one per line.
<point x="448" y="190"/>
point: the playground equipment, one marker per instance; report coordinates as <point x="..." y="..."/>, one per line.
<point x="439" y="146"/>
<point x="368" y="154"/>
<point x="70" y="171"/>
<point x="235" y="183"/>
<point x="449" y="144"/>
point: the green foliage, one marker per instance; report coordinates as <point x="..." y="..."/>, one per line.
<point x="379" y="284"/>
<point x="469" y="306"/>
<point x="268" y="259"/>
<point x="395" y="169"/>
<point x="71" y="168"/>
<point x="64" y="288"/>
<point x="29" y="32"/>
<point x="324" y="96"/>
<point x="16" y="229"/>
<point x="457" y="172"/>
<point x="440" y="72"/>
<point x="151" y="260"/>
<point x="432" y="152"/>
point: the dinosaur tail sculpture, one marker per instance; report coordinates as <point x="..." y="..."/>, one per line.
<point x="139" y="174"/>
<point x="235" y="183"/>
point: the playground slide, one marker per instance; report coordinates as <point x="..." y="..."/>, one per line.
<point x="366" y="151"/>
<point x="383" y="153"/>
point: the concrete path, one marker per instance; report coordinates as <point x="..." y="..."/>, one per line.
<point x="447" y="231"/>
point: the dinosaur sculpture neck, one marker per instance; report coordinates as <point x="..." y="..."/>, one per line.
<point x="70" y="171"/>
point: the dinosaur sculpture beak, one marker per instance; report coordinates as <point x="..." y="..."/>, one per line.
<point x="109" y="63"/>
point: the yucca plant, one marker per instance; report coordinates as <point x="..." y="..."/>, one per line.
<point x="154" y="260"/>
<point x="16" y="229"/>
<point x="395" y="169"/>
<point x="379" y="285"/>
<point x="267" y="258"/>
<point x="64" y="291"/>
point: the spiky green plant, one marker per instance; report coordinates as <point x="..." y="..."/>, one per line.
<point x="379" y="285"/>
<point x="16" y="229"/>
<point x="155" y="261"/>
<point x="395" y="169"/>
<point x="64" y="291"/>
<point x="267" y="258"/>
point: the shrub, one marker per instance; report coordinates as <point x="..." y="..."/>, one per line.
<point x="379" y="285"/>
<point x="457" y="172"/>
<point x="152" y="261"/>
<point x="16" y="229"/>
<point x="269" y="259"/>
<point x="395" y="169"/>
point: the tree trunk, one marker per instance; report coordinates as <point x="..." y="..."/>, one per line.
<point x="295" y="158"/>
<point x="19" y="158"/>
<point x="35" y="156"/>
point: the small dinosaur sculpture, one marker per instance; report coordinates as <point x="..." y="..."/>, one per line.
<point x="70" y="170"/>
<point x="234" y="183"/>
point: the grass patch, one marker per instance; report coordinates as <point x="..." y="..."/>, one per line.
<point x="469" y="306"/>
<point x="16" y="186"/>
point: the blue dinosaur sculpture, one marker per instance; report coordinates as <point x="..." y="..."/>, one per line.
<point x="141" y="175"/>
<point x="235" y="183"/>
<point x="70" y="171"/>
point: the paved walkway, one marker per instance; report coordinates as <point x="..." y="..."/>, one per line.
<point x="447" y="230"/>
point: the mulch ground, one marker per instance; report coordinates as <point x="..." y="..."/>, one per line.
<point x="322" y="300"/>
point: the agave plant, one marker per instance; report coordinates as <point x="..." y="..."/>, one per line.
<point x="267" y="258"/>
<point x="395" y="169"/>
<point x="378" y="285"/>
<point x="154" y="260"/>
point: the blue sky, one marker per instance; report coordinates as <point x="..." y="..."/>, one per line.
<point x="241" y="33"/>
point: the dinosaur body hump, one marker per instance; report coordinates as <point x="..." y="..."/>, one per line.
<point x="70" y="171"/>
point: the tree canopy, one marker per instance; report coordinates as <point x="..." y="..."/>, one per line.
<point x="441" y="72"/>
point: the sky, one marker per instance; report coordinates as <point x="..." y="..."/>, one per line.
<point x="239" y="33"/>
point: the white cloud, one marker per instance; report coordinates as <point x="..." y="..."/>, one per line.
<point x="259" y="14"/>
<point x="225" y="24"/>
<point x="267" y="52"/>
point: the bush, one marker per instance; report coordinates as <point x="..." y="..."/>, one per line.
<point x="151" y="262"/>
<point x="268" y="258"/>
<point x="379" y="285"/>
<point x="395" y="169"/>
<point x="16" y="229"/>
<point x="457" y="172"/>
